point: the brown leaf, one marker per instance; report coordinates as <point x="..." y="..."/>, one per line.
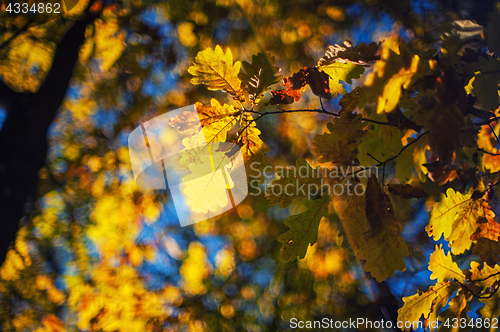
<point x="361" y="55"/>
<point x="398" y="119"/>
<point x="406" y="191"/>
<point x="487" y="250"/>
<point x="444" y="123"/>
<point x="378" y="208"/>
<point x="285" y="96"/>
<point x="318" y="81"/>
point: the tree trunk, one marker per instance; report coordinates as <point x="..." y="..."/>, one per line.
<point x="23" y="136"/>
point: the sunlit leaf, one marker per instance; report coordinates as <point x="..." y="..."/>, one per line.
<point x="215" y="69"/>
<point x="455" y="218"/>
<point x="303" y="229"/>
<point x="391" y="73"/>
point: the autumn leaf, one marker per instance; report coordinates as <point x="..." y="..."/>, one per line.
<point x="407" y="191"/>
<point x="444" y="123"/>
<point x="352" y="100"/>
<point x="259" y="75"/>
<point x="252" y="148"/>
<point x="455" y="218"/>
<point x="360" y="55"/>
<point x="293" y="183"/>
<point x="285" y="96"/>
<point x="426" y="304"/>
<point x="487" y="250"/>
<point x="384" y="250"/>
<point x="492" y="32"/>
<point x="216" y="120"/>
<point x="379" y="210"/>
<point x="340" y="144"/>
<point x="303" y="229"/>
<point x="392" y="73"/>
<point x="339" y="71"/>
<point x="443" y="267"/>
<point x="215" y="69"/>
<point x="381" y="142"/>
<point x="486" y="83"/>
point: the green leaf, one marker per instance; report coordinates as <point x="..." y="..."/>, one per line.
<point x="486" y="83"/>
<point x="340" y="144"/>
<point x="352" y="100"/>
<point x="303" y="229"/>
<point x="215" y="69"/>
<point x="492" y="32"/>
<point x="259" y="75"/>
<point x="294" y="183"/>
<point x="339" y="71"/>
<point x="455" y="218"/>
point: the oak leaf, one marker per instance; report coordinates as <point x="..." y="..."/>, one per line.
<point x="455" y="218"/>
<point x="339" y="71"/>
<point x="259" y="75"/>
<point x="486" y="83"/>
<point x="384" y="251"/>
<point x="443" y="267"/>
<point x="303" y="229"/>
<point x="340" y="144"/>
<point x="392" y="73"/>
<point x="215" y="69"/>
<point x="426" y="304"/>
<point x="294" y="183"/>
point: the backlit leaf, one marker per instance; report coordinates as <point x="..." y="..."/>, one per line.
<point x="339" y="71"/>
<point x="303" y="229"/>
<point x="215" y="69"/>
<point x="455" y="218"/>
<point x="426" y="304"/>
<point x="340" y="144"/>
<point x="443" y="267"/>
<point x="259" y="75"/>
<point x="391" y="73"/>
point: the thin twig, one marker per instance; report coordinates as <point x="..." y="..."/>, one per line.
<point x="390" y="159"/>
<point x="493" y="131"/>
<point x="321" y="111"/>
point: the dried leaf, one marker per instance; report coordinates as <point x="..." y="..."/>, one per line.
<point x="339" y="145"/>
<point x="406" y="191"/>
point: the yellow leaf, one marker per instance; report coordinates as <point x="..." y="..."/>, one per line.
<point x="443" y="267"/>
<point x="215" y="69"/>
<point x="252" y="150"/>
<point x="391" y="73"/>
<point x="427" y="304"/>
<point x="455" y="217"/>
